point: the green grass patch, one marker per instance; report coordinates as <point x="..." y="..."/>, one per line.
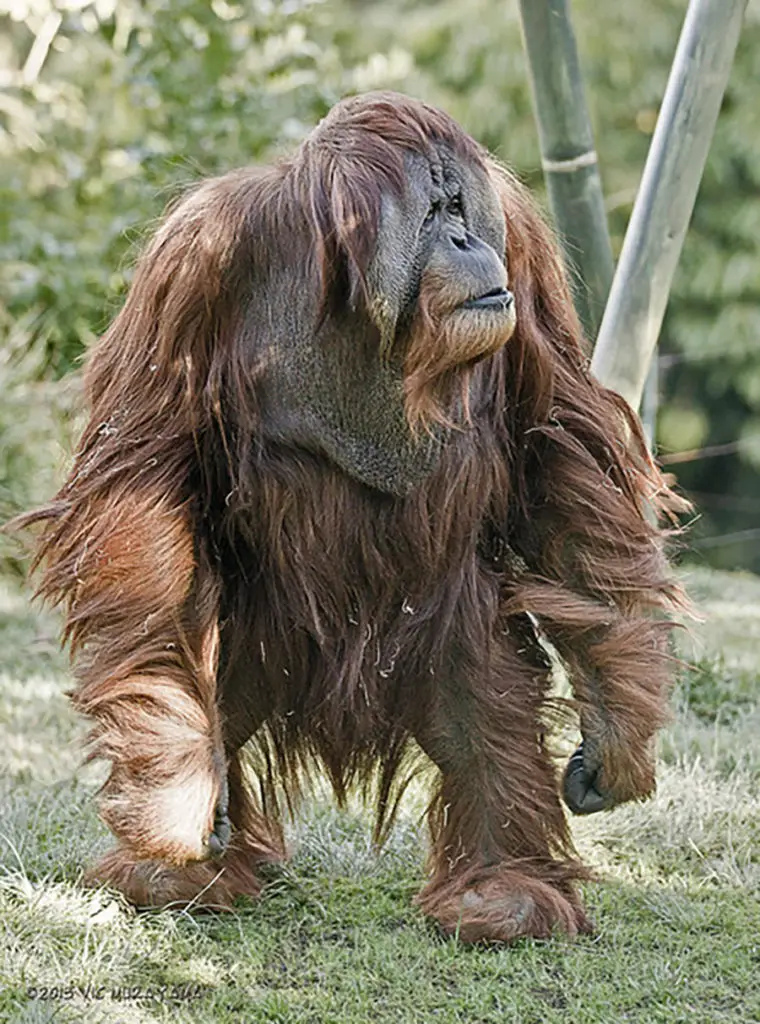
<point x="712" y="689"/>
<point x="335" y="939"/>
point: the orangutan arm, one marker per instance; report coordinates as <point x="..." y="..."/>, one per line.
<point x="141" y="616"/>
<point x="601" y="587"/>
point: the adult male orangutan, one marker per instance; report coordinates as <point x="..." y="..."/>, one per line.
<point x="344" y="459"/>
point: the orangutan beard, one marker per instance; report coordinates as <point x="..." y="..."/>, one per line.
<point x="446" y="342"/>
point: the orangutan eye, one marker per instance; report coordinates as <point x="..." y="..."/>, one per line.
<point x="430" y="215"/>
<point x="455" y="206"/>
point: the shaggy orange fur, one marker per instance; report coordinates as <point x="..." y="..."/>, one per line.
<point x="225" y="587"/>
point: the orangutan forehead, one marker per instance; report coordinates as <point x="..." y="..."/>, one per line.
<point x="445" y="167"/>
<point x="442" y="168"/>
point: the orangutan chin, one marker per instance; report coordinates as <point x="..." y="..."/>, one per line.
<point x="344" y="460"/>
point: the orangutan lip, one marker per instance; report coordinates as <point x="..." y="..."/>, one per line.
<point x="497" y="298"/>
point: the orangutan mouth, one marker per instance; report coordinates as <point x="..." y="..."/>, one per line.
<point x="498" y="298"/>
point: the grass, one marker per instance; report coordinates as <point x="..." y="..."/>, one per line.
<point x="334" y="940"/>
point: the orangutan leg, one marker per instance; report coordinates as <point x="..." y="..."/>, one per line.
<point x="243" y="837"/>
<point x="501" y="858"/>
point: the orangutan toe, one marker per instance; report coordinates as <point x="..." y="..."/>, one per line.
<point x="503" y="907"/>
<point x="509" y="914"/>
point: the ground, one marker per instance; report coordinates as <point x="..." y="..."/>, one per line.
<point x="335" y="939"/>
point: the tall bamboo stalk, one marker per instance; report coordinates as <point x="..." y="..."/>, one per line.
<point x="664" y="204"/>
<point x="567" y="154"/>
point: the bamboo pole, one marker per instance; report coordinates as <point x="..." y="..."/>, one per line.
<point x="568" y="156"/>
<point x="664" y="204"/>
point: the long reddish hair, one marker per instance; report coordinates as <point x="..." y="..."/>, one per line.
<point x="198" y="560"/>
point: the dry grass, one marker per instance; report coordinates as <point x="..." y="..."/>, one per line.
<point x="335" y="939"/>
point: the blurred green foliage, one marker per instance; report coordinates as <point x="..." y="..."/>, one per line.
<point x="107" y="109"/>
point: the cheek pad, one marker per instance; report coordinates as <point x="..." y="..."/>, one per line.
<point x="394" y="271"/>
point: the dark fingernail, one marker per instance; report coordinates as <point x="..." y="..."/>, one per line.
<point x="219" y="839"/>
<point x="214" y="844"/>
